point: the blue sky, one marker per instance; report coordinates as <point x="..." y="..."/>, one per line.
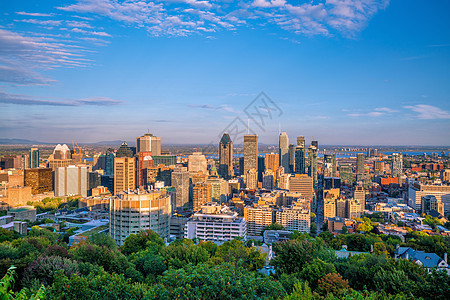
<point x="344" y="71"/>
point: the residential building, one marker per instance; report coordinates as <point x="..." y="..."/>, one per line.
<point x="397" y="164"/>
<point x="180" y="181"/>
<point x="258" y="218"/>
<point x="201" y="194"/>
<point x="297" y="217"/>
<point x="135" y="210"/>
<point x="216" y="223"/>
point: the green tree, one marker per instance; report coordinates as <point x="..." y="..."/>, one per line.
<point x="183" y="252"/>
<point x="315" y="270"/>
<point x="236" y="252"/>
<point x="141" y="241"/>
<point x="313" y="229"/>
<point x="301" y="292"/>
<point x="332" y="283"/>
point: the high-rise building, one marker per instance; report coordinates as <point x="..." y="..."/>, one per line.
<point x="226" y="156"/>
<point x="124" y="174"/>
<point x="250" y="152"/>
<point x="300" y="156"/>
<point x="417" y="191"/>
<point x="346" y="174"/>
<point x="312" y="157"/>
<point x="330" y="165"/>
<point x="378" y="167"/>
<point x="168" y="160"/>
<point x="40" y="180"/>
<point x="62" y="152"/>
<point x="219" y="189"/>
<point x="180" y="181"/>
<point x="34" y="158"/>
<point x="201" y="194"/>
<point x="268" y="181"/>
<point x="360" y="195"/>
<point x="109" y="163"/>
<point x="360" y="165"/>
<point x="251" y="179"/>
<point x="397" y="164"/>
<point x="124" y="151"/>
<point x="197" y="163"/>
<point x="133" y="211"/>
<point x="148" y="143"/>
<point x="145" y="161"/>
<point x="71" y="180"/>
<point x="303" y="184"/>
<point x="291" y="158"/>
<point x="283" y="148"/>
<point x="272" y="161"/>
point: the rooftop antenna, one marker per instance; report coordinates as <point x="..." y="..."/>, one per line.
<point x="248" y="126"/>
<point x="279" y="128"/>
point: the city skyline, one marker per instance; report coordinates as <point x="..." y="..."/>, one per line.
<point x="346" y="72"/>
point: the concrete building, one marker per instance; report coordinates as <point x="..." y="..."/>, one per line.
<point x="303" y="184"/>
<point x="430" y="202"/>
<point x="23" y="213"/>
<point x="329" y="165"/>
<point x="226" y="156"/>
<point x="272" y="161"/>
<point x="250" y="152"/>
<point x="418" y="190"/>
<point x="360" y="165"/>
<point x="220" y="189"/>
<point x="283" y="150"/>
<point x="201" y="194"/>
<point x="197" y="163"/>
<point x="216" y="223"/>
<point x="18" y="195"/>
<point x="268" y="180"/>
<point x="40" y="180"/>
<point x="133" y="211"/>
<point x="124" y="173"/>
<point x="180" y="181"/>
<point x="144" y="162"/>
<point x="148" y="143"/>
<point x="251" y="179"/>
<point x="71" y="180"/>
<point x="296" y="217"/>
<point x="360" y="195"/>
<point x="258" y="218"/>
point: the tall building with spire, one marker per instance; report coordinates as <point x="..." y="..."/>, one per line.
<point x="226" y="156"/>
<point x="283" y="150"/>
<point x="250" y="152"/>
<point x="300" y="155"/>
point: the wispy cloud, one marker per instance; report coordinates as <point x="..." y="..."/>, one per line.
<point x="429" y="112"/>
<point x="22" y="13"/>
<point x="185" y="17"/>
<point x="212" y="107"/>
<point x="41" y="22"/>
<point x="29" y="100"/>
<point x="376" y="112"/>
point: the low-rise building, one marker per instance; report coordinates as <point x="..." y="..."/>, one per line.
<point x="215" y="223"/>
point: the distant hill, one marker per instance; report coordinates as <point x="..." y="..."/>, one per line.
<point x="21" y="142"/>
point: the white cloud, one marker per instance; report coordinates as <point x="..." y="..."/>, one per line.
<point x="41" y="22"/>
<point x="377" y="112"/>
<point x="22" y="13"/>
<point x="319" y="17"/>
<point x="429" y="112"/>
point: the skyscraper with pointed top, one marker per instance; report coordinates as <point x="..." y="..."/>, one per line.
<point x="226" y="156"/>
<point x="283" y="148"/>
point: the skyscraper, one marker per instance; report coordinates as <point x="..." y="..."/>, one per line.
<point x="124" y="174"/>
<point x="360" y="165"/>
<point x="148" y="143"/>
<point x="226" y="156"/>
<point x="291" y="158"/>
<point x="330" y="165"/>
<point x="283" y="148"/>
<point x="71" y="180"/>
<point x="397" y="164"/>
<point x="34" y="158"/>
<point x="300" y="155"/>
<point x="201" y="194"/>
<point x="180" y="181"/>
<point x="109" y="163"/>
<point x="197" y="163"/>
<point x="312" y="157"/>
<point x="250" y="152"/>
<point x="124" y="151"/>
<point x="145" y="161"/>
<point x="272" y="161"/>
